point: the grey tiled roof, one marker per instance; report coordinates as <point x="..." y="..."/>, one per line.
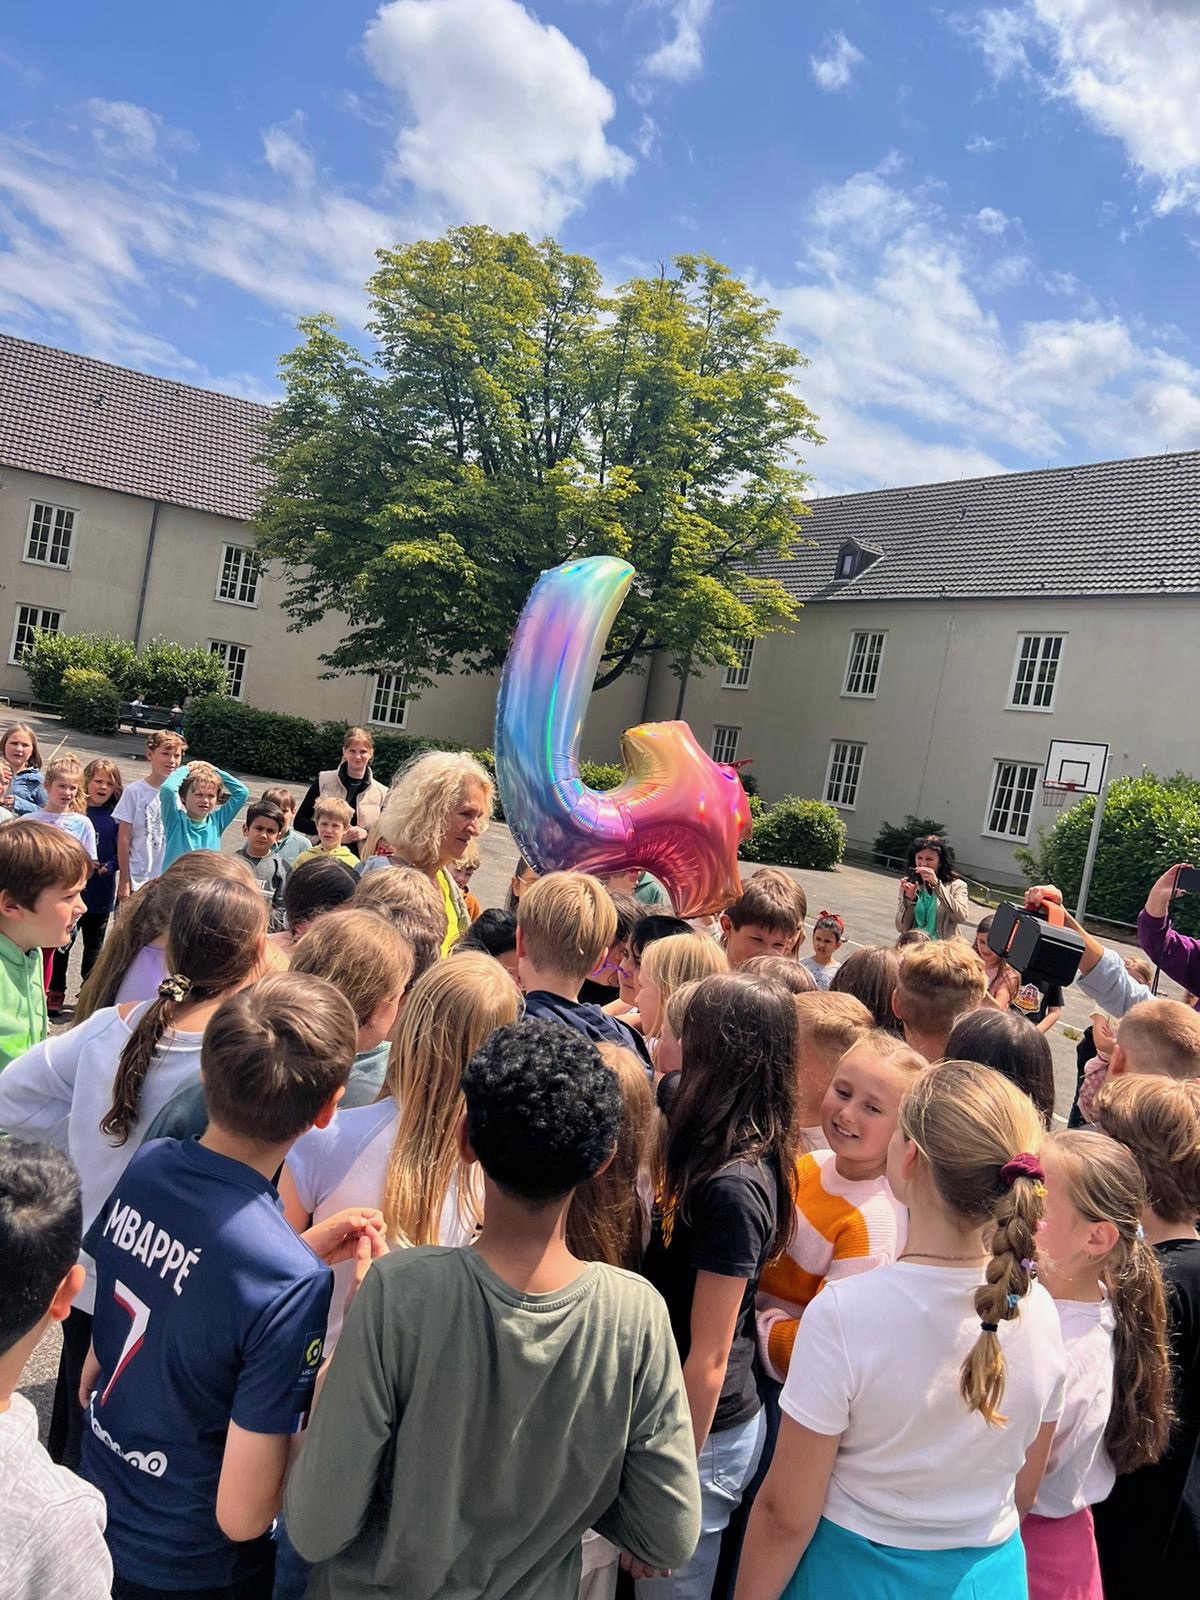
<point x="1120" y="527"/>
<point x="71" y="417"/>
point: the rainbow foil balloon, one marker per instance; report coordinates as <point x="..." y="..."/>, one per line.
<point x="677" y="813"/>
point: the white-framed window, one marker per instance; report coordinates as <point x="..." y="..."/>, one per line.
<point x="725" y="744"/>
<point x="28" y="621"/>
<point x="48" y="537"/>
<point x="1014" y="784"/>
<point x="739" y="677"/>
<point x="389" y="702"/>
<point x="1035" y="671"/>
<point x="240" y="574"/>
<point x="845" y="769"/>
<point x="233" y="657"/>
<point x="863" y="663"/>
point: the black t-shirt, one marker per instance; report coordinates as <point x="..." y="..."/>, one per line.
<point x="726" y="1227"/>
<point x="1148" y="1530"/>
<point x="1033" y="1001"/>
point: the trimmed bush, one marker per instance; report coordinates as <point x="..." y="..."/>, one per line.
<point x="1149" y="823"/>
<point x="799" y="833"/>
<point x="52" y="655"/>
<point x="89" y="701"/>
<point x="601" y="775"/>
<point x="166" y="673"/>
<point x="245" y="739"/>
<point x="893" y="840"/>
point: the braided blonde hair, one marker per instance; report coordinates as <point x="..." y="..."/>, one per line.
<point x="969" y="1123"/>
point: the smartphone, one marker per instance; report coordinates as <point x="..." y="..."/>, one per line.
<point x="1187" y="881"/>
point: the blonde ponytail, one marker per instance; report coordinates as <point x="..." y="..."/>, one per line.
<point x="979" y="1136"/>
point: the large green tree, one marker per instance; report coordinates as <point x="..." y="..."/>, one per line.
<point x="513" y="416"/>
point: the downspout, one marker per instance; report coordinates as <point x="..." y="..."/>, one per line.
<point x="137" y="626"/>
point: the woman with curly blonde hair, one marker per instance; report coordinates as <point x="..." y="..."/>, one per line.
<point x="438" y="805"/>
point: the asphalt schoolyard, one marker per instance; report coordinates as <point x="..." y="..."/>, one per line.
<point x="864" y="897"/>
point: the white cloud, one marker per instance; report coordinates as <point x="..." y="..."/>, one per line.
<point x="1131" y="67"/>
<point x="123" y="129"/>
<point x="915" y="376"/>
<point x="681" y="55"/>
<point x="833" y="69"/>
<point x="501" y="121"/>
<point x="981" y="145"/>
<point x="989" y="220"/>
<point x="647" y="139"/>
<point x="128" y="132"/>
<point x="507" y="120"/>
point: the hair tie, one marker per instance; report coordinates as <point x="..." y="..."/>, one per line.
<point x="990" y="1327"/>
<point x="1029" y="1266"/>
<point x="1014" y="1300"/>
<point x="1140" y="1235"/>
<point x="1022" y="1166"/>
<point x="175" y="987"/>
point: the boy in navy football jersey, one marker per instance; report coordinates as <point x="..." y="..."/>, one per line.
<point x="210" y="1311"/>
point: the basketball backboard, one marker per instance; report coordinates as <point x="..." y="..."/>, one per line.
<point x="1082" y="765"/>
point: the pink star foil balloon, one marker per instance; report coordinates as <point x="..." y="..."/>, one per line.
<point x="677" y="814"/>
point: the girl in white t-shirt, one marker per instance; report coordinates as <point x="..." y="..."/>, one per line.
<point x="401" y="1151"/>
<point x="921" y="1399"/>
<point x="1108" y="1290"/>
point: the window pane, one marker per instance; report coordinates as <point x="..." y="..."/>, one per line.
<point x="389" y="704"/>
<point x="1012" y="799"/>
<point x="845" y="765"/>
<point x="725" y="744"/>
<point x="738" y="677"/>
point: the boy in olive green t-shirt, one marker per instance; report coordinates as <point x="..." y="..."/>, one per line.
<point x="485" y="1407"/>
<point x="42" y="874"/>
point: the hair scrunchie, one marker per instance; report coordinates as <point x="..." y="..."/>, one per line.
<point x="1022" y="1166"/>
<point x="832" y="918"/>
<point x="175" y="987"/>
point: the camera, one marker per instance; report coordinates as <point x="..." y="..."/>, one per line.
<point x="1043" y="952"/>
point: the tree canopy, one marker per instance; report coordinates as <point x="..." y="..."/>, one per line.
<point x="514" y="416"/>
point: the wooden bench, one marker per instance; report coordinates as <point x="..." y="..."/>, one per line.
<point x="136" y="717"/>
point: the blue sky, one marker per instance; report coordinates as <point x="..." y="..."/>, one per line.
<point x="978" y="220"/>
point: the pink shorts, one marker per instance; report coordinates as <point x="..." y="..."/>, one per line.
<point x="1060" y="1557"/>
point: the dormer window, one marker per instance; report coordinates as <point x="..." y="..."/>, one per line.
<point x="853" y="560"/>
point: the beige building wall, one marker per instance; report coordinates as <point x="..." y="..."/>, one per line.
<point x="98" y="592"/>
<point x="940" y="719"/>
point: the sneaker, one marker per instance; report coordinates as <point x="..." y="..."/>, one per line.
<point x="55" y="1001"/>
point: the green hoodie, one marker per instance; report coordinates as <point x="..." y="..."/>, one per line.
<point x="22" y="1001"/>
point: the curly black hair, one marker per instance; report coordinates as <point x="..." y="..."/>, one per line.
<point x="493" y="933"/>
<point x="543" y="1109"/>
<point x="945" y="852"/>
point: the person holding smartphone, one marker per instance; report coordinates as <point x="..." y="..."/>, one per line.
<point x="1175" y="953"/>
<point x="933" y="897"/>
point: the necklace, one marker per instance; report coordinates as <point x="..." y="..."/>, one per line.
<point x="927" y="1255"/>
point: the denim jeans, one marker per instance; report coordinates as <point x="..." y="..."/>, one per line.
<point x="726" y="1465"/>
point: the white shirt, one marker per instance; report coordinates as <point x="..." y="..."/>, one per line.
<point x="51" y="1522"/>
<point x="139" y="806"/>
<point x="1079" y="1472"/>
<point x="877" y="1361"/>
<point x="822" y="976"/>
<point x="60" y="1090"/>
<point x="346" y="1164"/>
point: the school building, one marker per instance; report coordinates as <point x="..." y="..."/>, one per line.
<point x="949" y="633"/>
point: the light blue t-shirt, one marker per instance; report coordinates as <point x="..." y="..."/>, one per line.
<point x="180" y="832"/>
<point x="72" y="822"/>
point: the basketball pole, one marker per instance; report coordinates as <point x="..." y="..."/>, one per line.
<point x="1089" y="860"/>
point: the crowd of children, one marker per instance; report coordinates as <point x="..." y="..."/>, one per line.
<point x="606" y="1251"/>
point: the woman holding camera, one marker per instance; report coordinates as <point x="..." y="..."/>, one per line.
<point x="933" y="897"/>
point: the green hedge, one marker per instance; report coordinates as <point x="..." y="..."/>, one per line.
<point x="163" y="672"/>
<point x="1149" y="823"/>
<point x="798" y="833"/>
<point x="894" y="839"/>
<point x="89" y="702"/>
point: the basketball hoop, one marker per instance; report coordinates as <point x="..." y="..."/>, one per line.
<point x="1054" y="795"/>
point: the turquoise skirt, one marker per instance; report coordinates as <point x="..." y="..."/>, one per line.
<point x="838" y="1562"/>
